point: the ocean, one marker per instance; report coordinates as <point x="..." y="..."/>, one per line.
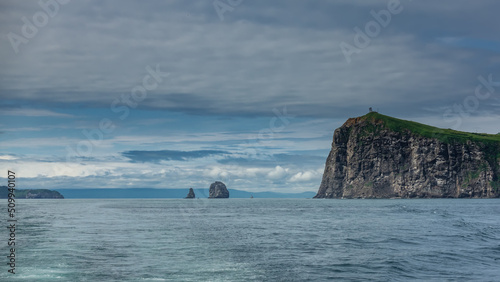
<point x="254" y="240"/>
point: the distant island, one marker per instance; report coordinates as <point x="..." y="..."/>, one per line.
<point x="31" y="193"/>
<point x="377" y="156"/>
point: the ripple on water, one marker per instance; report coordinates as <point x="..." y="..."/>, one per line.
<point x="260" y="240"/>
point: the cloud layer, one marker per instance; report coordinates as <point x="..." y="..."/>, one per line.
<point x="256" y="59"/>
<point x="252" y="96"/>
<point x="169" y="155"/>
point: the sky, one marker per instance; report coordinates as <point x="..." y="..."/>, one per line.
<point x="179" y="94"/>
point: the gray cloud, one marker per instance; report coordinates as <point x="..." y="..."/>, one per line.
<point x="274" y="160"/>
<point x="169" y="155"/>
<point x="260" y="57"/>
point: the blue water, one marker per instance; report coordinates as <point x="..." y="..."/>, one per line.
<point x="255" y="240"/>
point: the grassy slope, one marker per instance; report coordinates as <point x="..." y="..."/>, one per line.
<point x="444" y="135"/>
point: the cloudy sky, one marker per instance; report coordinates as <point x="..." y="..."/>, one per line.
<point x="176" y="94"/>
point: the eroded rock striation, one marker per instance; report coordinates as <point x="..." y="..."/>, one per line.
<point x="190" y="194"/>
<point x="377" y="156"/>
<point x="218" y="190"/>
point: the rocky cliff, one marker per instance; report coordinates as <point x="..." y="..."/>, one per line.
<point x="377" y="156"/>
<point x="218" y="190"/>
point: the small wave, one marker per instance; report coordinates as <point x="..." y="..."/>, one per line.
<point x="398" y="208"/>
<point x="400" y="241"/>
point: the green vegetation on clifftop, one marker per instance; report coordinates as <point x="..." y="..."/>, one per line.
<point x="443" y="135"/>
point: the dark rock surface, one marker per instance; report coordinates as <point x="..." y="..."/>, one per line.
<point x="376" y="156"/>
<point x="190" y="194"/>
<point x="218" y="190"/>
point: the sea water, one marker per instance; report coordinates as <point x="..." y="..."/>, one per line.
<point x="254" y="240"/>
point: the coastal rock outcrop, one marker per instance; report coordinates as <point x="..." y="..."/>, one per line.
<point x="190" y="194"/>
<point x="377" y="156"/>
<point x="218" y="190"/>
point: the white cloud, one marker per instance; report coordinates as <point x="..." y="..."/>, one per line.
<point x="305" y="176"/>
<point x="263" y="56"/>
<point x="117" y="174"/>
<point x="8" y="157"/>
<point x="217" y="173"/>
<point x="277" y="173"/>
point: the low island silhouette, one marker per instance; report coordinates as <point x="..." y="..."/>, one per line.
<point x="30" y="193"/>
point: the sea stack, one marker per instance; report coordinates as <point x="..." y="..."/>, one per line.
<point x="218" y="190"/>
<point x="377" y="156"/>
<point x="190" y="194"/>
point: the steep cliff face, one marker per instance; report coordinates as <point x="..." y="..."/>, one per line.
<point x="376" y="156"/>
